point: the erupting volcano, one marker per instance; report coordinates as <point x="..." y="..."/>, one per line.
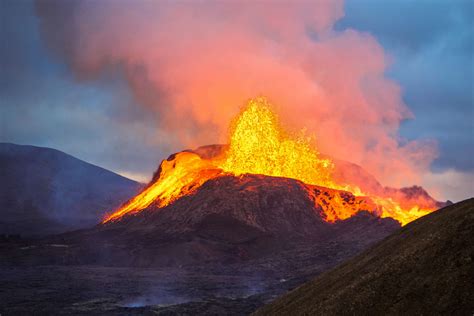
<point x="259" y="145"/>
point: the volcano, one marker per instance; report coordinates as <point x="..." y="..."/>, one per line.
<point x="259" y="145"/>
<point x="231" y="244"/>
<point x="264" y="192"/>
<point x="227" y="220"/>
<point x="248" y="220"/>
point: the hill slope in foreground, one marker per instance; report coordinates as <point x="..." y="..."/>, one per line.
<point x="424" y="268"/>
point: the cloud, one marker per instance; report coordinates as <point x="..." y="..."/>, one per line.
<point x="95" y="121"/>
<point x="98" y="124"/>
<point x="196" y="64"/>
<point x="450" y="184"/>
<point x="432" y="53"/>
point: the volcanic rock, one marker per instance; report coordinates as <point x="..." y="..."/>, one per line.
<point x="269" y="205"/>
<point x="230" y="245"/>
<point x="228" y="220"/>
<point x="425" y="268"/>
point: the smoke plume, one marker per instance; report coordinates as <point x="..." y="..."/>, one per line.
<point x="196" y="63"/>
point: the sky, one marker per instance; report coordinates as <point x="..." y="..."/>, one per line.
<point x="56" y="95"/>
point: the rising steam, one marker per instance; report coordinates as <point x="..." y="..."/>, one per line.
<point x="197" y="62"/>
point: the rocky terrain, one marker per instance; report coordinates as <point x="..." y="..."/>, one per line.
<point x="46" y="191"/>
<point x="425" y="268"/>
<point x="230" y="247"/>
<point x="228" y="220"/>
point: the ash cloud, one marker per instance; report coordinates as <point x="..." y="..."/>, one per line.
<point x="195" y="64"/>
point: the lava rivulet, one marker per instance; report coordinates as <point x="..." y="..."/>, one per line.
<point x="258" y="145"/>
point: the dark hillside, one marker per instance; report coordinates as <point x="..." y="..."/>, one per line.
<point x="47" y="191"/>
<point x="424" y="268"/>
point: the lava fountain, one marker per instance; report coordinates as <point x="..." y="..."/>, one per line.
<point x="259" y="145"/>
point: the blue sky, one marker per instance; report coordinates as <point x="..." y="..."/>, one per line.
<point x="430" y="43"/>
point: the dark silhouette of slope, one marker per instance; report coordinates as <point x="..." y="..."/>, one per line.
<point x="45" y="191"/>
<point x="424" y="268"/>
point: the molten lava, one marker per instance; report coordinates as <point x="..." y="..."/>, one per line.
<point x="258" y="145"/>
<point x="178" y="177"/>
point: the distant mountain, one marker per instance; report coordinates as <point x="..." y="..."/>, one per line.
<point x="46" y="191"/>
<point x="425" y="268"/>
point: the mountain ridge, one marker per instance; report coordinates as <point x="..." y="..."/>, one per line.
<point x="48" y="191"/>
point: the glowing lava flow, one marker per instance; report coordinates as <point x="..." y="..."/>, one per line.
<point x="177" y="177"/>
<point x="258" y="145"/>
